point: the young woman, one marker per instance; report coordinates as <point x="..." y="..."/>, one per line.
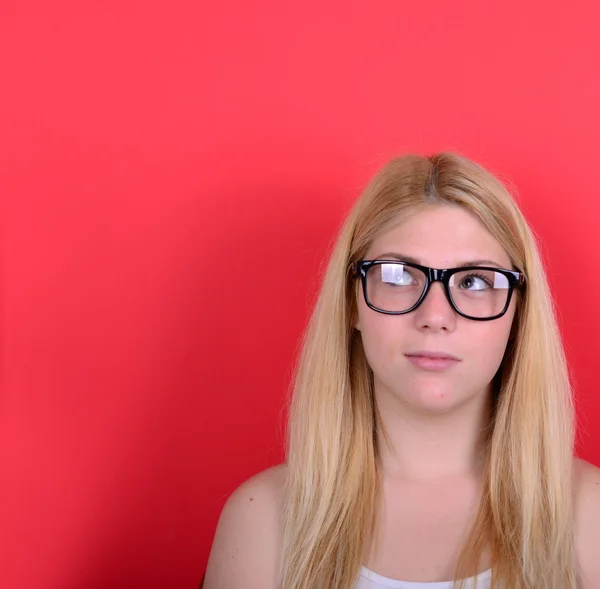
<point x="431" y="425"/>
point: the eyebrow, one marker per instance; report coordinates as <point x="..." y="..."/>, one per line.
<point x="413" y="260"/>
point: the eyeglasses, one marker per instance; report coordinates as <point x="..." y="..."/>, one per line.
<point x="475" y="292"/>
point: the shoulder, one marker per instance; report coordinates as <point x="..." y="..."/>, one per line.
<point x="245" y="550"/>
<point x="587" y="521"/>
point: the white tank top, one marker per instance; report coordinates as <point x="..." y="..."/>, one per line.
<point x="371" y="580"/>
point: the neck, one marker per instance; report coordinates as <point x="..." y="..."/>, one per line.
<point x="426" y="446"/>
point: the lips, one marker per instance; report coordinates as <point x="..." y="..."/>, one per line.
<point x="432" y="355"/>
<point x="432" y="361"/>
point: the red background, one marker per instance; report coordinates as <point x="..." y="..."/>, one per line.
<point x="172" y="173"/>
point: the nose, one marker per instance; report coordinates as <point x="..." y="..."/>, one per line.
<point x="435" y="311"/>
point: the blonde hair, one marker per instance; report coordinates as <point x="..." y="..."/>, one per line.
<point x="333" y="475"/>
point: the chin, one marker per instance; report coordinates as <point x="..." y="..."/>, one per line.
<point x="434" y="399"/>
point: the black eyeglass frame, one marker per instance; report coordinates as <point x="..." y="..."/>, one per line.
<point x="360" y="268"/>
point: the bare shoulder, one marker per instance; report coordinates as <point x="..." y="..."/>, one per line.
<point x="246" y="547"/>
<point x="587" y="522"/>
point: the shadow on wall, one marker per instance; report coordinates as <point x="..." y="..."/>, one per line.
<point x="284" y="234"/>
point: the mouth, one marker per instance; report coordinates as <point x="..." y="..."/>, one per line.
<point x="432" y="355"/>
<point x="433" y="361"/>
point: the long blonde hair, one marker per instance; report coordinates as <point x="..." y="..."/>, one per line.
<point x="333" y="474"/>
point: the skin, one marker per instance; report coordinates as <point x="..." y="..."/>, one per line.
<point x="433" y="418"/>
<point x="432" y="465"/>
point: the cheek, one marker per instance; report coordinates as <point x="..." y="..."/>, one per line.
<point x="485" y="347"/>
<point x="384" y="338"/>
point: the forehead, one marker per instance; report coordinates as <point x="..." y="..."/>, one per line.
<point x="441" y="236"/>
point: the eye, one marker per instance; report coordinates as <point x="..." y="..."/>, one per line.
<point x="398" y="275"/>
<point x="475" y="282"/>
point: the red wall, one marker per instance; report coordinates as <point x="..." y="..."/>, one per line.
<point x="171" y="175"/>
